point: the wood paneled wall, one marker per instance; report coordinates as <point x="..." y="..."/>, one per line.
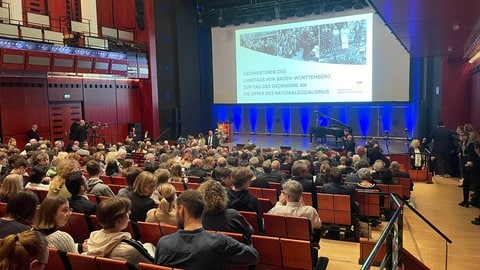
<point x="25" y="101"/>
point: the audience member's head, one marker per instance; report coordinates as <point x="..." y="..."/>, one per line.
<point x="162" y="176"/>
<point x="12" y="184"/>
<point x="53" y="213"/>
<point x="25" y="250"/>
<point x="112" y="168"/>
<point x="293" y="190"/>
<point x="299" y="168"/>
<point x="166" y="197"/>
<point x="336" y="175"/>
<point x="93" y="168"/>
<point x="131" y="174"/>
<point x="113" y="209"/>
<point x="145" y="184"/>
<point x="395" y="166"/>
<point x="21" y="206"/>
<point x="190" y="206"/>
<point x="364" y="174"/>
<point x="37" y="173"/>
<point x="242" y="177"/>
<point x="215" y="196"/>
<point x="76" y="184"/>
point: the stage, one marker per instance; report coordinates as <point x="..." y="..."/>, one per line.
<point x="296" y="142"/>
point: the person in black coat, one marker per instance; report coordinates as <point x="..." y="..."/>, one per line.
<point x="32" y="133"/>
<point x="77" y="185"/>
<point x="442" y="147"/>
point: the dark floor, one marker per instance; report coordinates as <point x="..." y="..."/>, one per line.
<point x="391" y="146"/>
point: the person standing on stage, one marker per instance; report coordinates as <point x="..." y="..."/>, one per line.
<point x="442" y="148"/>
<point x="32" y="133"/>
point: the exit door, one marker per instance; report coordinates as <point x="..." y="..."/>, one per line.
<point x="62" y="116"/>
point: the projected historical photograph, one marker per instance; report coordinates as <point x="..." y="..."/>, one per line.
<point x="334" y="43"/>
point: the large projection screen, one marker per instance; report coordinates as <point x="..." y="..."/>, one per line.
<point x="352" y="57"/>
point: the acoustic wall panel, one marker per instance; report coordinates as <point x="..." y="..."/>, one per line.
<point x="63" y="63"/>
<point x="38" y="61"/>
<point x="13" y="59"/>
<point x="101" y="65"/>
<point x="84" y="64"/>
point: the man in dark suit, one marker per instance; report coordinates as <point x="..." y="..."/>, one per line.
<point x="211" y="140"/>
<point x="77" y="185"/>
<point x="442" y="147"/>
<point x="196" y="169"/>
<point x="32" y="133"/>
<point x="272" y="172"/>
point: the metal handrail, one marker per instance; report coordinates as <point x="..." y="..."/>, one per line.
<point x="388" y="233"/>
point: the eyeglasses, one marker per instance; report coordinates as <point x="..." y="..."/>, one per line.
<point x="66" y="210"/>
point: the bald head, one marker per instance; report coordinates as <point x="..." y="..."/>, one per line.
<point x="275" y="165"/>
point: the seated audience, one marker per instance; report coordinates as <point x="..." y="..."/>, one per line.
<point x="382" y="175"/>
<point x="166" y="200"/>
<point x="95" y="184"/>
<point x="112" y="168"/>
<point x="365" y="180"/>
<point x="290" y="204"/>
<point x="239" y="198"/>
<point x="19" y="213"/>
<point x="217" y="217"/>
<point x="224" y="176"/>
<point x="25" y="250"/>
<point x="130" y="175"/>
<point x="53" y="214"/>
<point x="65" y="166"/>
<point x="143" y="188"/>
<point x="353" y="177"/>
<point x="110" y="241"/>
<point x="196" y="169"/>
<point x="150" y="164"/>
<point x="191" y="247"/>
<point x="12" y="184"/>
<point x="77" y="185"/>
<point x="38" y="179"/>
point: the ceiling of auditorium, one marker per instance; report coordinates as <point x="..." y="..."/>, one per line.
<point x="425" y="27"/>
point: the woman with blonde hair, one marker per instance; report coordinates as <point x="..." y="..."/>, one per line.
<point x="12" y="184"/>
<point x="164" y="212"/>
<point x="25" y="250"/>
<point x="64" y="167"/>
<point x="143" y="187"/>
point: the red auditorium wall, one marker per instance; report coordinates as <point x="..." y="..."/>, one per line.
<point x="25" y="101"/>
<point x="456" y="93"/>
<point x="474" y="98"/>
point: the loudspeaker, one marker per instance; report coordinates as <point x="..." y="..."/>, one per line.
<point x="138" y="131"/>
<point x="176" y="122"/>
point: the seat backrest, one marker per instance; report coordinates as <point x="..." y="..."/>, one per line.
<point x="296" y="254"/>
<point x="194" y="179"/>
<point x="112" y="264"/>
<point x="251" y="218"/>
<point x="255" y="191"/>
<point x="264" y="204"/>
<point x="149" y="232"/>
<point x="193" y="185"/>
<point x="167" y="229"/>
<point x="298" y="228"/>
<point x="406" y="187"/>
<point x="118" y="180"/>
<point x="80" y="229"/>
<point x="3" y="209"/>
<point x="325" y="207"/>
<point x="55" y="260"/>
<point x="178" y="186"/>
<point x="341" y="207"/>
<point x="270" y="194"/>
<point x="115" y="188"/>
<point x="92" y="197"/>
<point x="269" y="250"/>
<point x="307" y="198"/>
<point x="149" y="266"/>
<point x="106" y="179"/>
<point x="82" y="261"/>
<point x="275" y="185"/>
<point x="368" y="203"/>
<point x="275" y="225"/>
